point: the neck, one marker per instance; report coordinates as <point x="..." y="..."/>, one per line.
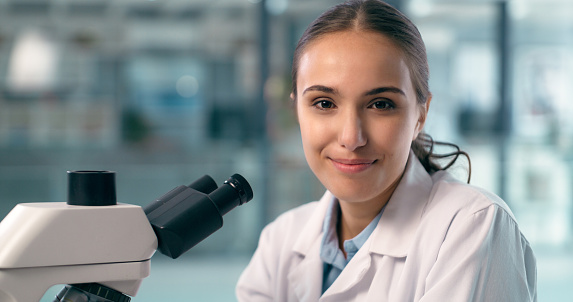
<point x="356" y="216"/>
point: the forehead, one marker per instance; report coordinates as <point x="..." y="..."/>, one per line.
<point x="353" y="57"/>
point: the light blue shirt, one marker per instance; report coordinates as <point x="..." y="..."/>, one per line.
<point x="330" y="253"/>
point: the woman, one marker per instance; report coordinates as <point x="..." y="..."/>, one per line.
<point x="393" y="225"/>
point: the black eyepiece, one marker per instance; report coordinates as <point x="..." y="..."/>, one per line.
<point x="240" y="184"/>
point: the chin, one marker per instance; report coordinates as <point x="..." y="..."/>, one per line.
<point x="353" y="193"/>
<point x="359" y="188"/>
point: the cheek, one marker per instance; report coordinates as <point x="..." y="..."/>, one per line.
<point x="316" y="136"/>
<point x="312" y="132"/>
<point x="396" y="137"/>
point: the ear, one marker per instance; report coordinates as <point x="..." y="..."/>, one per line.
<point x="422" y="118"/>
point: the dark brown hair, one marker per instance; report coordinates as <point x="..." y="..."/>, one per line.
<point x="377" y="16"/>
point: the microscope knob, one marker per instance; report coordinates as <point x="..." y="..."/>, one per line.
<point x="94" y="292"/>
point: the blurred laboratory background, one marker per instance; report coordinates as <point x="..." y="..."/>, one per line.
<point x="165" y="91"/>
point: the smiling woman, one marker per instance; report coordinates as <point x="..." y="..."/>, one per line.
<point x="357" y="133"/>
<point x="393" y="225"/>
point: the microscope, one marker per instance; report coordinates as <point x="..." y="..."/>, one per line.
<point x="100" y="248"/>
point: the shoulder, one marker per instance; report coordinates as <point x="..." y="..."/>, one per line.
<point x="292" y="219"/>
<point x="265" y="275"/>
<point x="452" y="196"/>
<point x="454" y="207"/>
<point x="469" y="238"/>
<point x="458" y="214"/>
<point x="297" y="229"/>
<point x="289" y="226"/>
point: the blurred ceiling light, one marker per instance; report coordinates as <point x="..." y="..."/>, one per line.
<point x="187" y="86"/>
<point x="519" y="9"/>
<point x="33" y="63"/>
<point x="276" y="7"/>
<point x="437" y="38"/>
<point x="421" y="8"/>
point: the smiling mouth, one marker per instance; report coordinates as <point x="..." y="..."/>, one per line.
<point x="352" y="166"/>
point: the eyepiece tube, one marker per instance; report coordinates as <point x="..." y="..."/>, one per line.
<point x="205" y="184"/>
<point x="188" y="214"/>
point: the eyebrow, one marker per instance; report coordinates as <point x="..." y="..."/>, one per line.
<point x="379" y="90"/>
<point x="320" y="88"/>
<point x="374" y="91"/>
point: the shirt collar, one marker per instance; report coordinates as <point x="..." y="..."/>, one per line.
<point x="361" y="238"/>
<point x="329" y="250"/>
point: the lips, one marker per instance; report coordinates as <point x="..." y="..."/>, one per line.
<point x="352" y="166"/>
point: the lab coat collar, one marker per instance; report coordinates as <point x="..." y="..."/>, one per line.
<point x="402" y="215"/>
<point x="306" y="276"/>
<point x="399" y="222"/>
<point x="312" y="232"/>
<point x="393" y="235"/>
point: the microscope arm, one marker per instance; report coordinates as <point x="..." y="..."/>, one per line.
<point x="30" y="284"/>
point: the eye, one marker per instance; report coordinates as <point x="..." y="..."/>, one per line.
<point x="324" y="104"/>
<point x="382" y="105"/>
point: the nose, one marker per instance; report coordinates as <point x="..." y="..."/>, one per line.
<point x="352" y="134"/>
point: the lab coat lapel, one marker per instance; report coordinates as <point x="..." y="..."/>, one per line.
<point x="392" y="237"/>
<point x="350" y="277"/>
<point x="305" y="278"/>
<point x="394" y="234"/>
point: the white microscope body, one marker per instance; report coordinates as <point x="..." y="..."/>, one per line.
<point x="46" y="244"/>
<point x="52" y="243"/>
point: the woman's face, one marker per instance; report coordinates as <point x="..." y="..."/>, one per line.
<point x="358" y="114"/>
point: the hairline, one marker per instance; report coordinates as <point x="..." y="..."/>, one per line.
<point x="357" y="27"/>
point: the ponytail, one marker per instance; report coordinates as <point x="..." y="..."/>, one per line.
<point x="423" y="148"/>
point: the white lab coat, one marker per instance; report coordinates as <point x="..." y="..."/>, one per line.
<point x="438" y="240"/>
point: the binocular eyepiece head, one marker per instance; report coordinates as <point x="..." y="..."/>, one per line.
<point x="181" y="218"/>
<point x="188" y="214"/>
